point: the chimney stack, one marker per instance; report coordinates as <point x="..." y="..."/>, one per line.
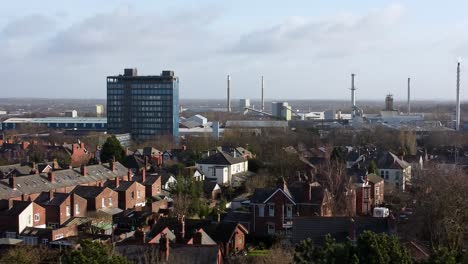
<point x="129" y="174"/>
<point x="163" y="248"/>
<point x="263" y="98"/>
<point x="409" y="96"/>
<point x="112" y="164"/>
<point x="457" y="124"/>
<point x="228" y="93"/>
<point x="51" y="176"/>
<point x="51" y="195"/>
<point x="197" y="237"/>
<point x="83" y="170"/>
<point x="143" y="176"/>
<point x="117" y="182"/>
<point x="12" y="182"/>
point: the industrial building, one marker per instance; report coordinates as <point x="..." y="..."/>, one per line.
<point x="143" y="106"/>
<point x="81" y="123"/>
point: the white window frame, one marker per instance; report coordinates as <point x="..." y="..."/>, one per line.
<point x="77" y="208"/>
<point x="261" y="210"/>
<point x="103" y="202"/>
<point x="289" y="210"/>
<point x="271" y="209"/>
<point x="67" y="210"/>
<point x="110" y="201"/>
<point x="271" y="228"/>
<point x="138" y="194"/>
<point x="37" y="217"/>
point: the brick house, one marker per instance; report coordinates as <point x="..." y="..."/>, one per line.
<point x="131" y="194"/>
<point x="97" y="197"/>
<point x="152" y="185"/>
<point x="272" y="211"/>
<point x="377" y="184"/>
<point x="35" y="236"/>
<point x="30" y="186"/>
<point x="21" y="214"/>
<point x="364" y="200"/>
<point x="394" y="170"/>
<point x="230" y="237"/>
<point x="60" y="207"/>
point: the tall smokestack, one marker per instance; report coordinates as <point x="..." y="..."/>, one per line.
<point x="229" y="93"/>
<point x="263" y="98"/>
<point x="409" y="96"/>
<point x="457" y="126"/>
<point x="353" y="97"/>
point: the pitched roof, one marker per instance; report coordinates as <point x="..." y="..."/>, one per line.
<point x="194" y="254"/>
<point x="57" y="199"/>
<point x="133" y="162"/>
<point x="17" y="208"/>
<point x="88" y="192"/>
<point x="374" y="178"/>
<point x="260" y="195"/>
<point x="151" y="179"/>
<point x="221" y="158"/>
<point x="225" y="230"/>
<point x="208" y="186"/>
<point x="315" y="227"/>
<point x="31" y="184"/>
<point x="388" y="160"/>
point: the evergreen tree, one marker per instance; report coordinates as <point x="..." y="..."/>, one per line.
<point x="373" y="168"/>
<point x="111" y="149"/>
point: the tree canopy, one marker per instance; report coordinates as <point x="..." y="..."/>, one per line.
<point x="111" y="149"/>
<point x="93" y="252"/>
<point x="370" y="248"/>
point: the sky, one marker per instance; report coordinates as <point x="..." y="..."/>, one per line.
<point x="305" y="49"/>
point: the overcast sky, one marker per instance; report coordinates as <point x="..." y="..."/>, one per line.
<point x="305" y="49"/>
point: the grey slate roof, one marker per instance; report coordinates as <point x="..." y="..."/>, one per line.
<point x="57" y="200"/>
<point x="260" y="195"/>
<point x="17" y="208"/>
<point x="63" y="178"/>
<point x="88" y="192"/>
<point x="221" y="158"/>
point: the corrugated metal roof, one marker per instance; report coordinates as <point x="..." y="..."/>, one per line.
<point x="57" y="120"/>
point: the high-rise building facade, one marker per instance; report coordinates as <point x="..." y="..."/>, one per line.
<point x="143" y="106"/>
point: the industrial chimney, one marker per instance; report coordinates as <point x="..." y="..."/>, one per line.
<point x="228" y="93"/>
<point x="409" y="96"/>
<point x="263" y="99"/>
<point x="353" y="98"/>
<point x="457" y="125"/>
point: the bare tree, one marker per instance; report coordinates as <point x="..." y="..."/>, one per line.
<point x="441" y="213"/>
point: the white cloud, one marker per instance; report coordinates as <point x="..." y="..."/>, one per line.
<point x="336" y="35"/>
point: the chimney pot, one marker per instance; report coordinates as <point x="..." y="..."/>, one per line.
<point x="12" y="182"/>
<point x="83" y="170"/>
<point x="112" y="164"/>
<point x="129" y="174"/>
<point x="51" y="176"/>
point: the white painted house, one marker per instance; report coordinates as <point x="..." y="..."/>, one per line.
<point x="395" y="171"/>
<point x="222" y="166"/>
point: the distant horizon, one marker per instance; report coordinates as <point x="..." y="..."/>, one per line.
<point x="66" y="49"/>
<point x="251" y="99"/>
